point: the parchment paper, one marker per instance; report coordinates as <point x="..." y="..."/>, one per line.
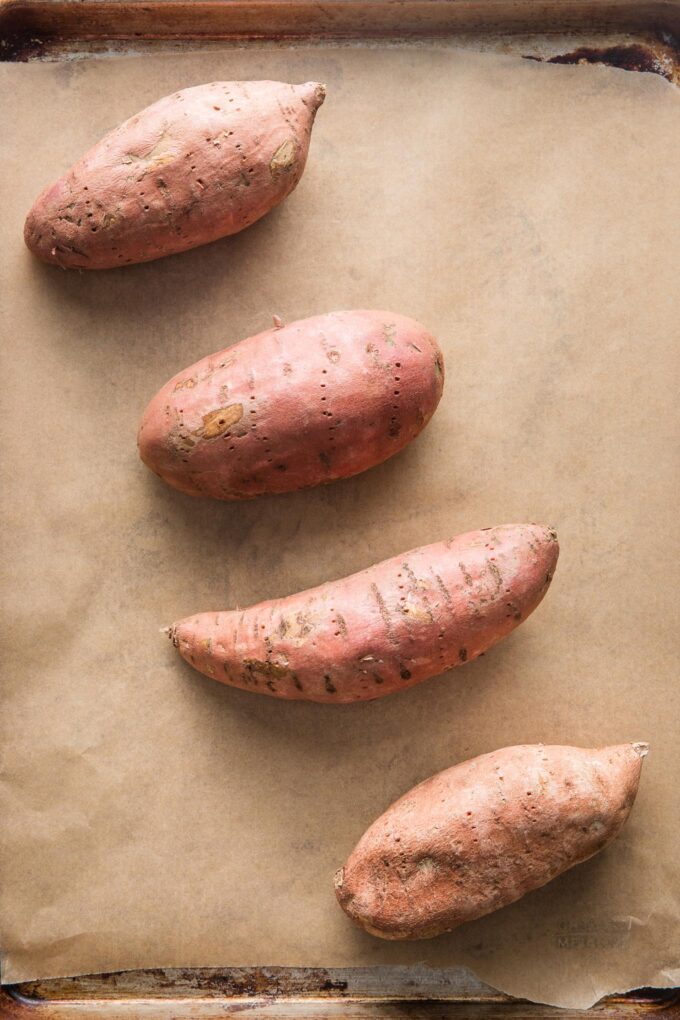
<point x="528" y="215"/>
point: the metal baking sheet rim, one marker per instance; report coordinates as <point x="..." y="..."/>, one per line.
<point x="624" y="33"/>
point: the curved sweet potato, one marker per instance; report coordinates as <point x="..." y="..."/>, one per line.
<point x="381" y="630"/>
<point x="317" y="400"/>
<point x="480" y="835"/>
<point x="195" y="166"/>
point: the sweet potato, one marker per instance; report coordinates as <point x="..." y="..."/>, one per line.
<point x="480" y="835"/>
<point x="195" y="166"/>
<point x="381" y="630"/>
<point x="297" y="405"/>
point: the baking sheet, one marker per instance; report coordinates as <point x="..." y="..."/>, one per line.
<point x="528" y="215"/>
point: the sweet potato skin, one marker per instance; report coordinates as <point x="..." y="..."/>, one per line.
<point x="298" y="405"/>
<point x="195" y="166"/>
<point x="480" y="835"/>
<point x="381" y="630"/>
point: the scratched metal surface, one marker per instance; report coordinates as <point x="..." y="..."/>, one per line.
<point x="284" y="994"/>
<point x="640" y="37"/>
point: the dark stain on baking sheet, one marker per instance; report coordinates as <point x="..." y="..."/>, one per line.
<point x="628" y="57"/>
<point x="20" y="47"/>
<point x="200" y="984"/>
<point x="249" y="982"/>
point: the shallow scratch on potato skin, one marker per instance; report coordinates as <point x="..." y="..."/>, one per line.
<point x="384" y="613"/>
<point x="164" y="150"/>
<point x="466" y="574"/>
<point x="492" y="567"/>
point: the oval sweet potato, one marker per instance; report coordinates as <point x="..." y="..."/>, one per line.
<point x="317" y="400"/>
<point x="480" y="835"/>
<point x="193" y="167"/>
<point x="381" y="630"/>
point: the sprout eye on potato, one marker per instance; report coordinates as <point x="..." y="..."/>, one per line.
<point x="384" y="629"/>
<point x="480" y="835"/>
<point x="298" y="405"/>
<point x="195" y="166"/>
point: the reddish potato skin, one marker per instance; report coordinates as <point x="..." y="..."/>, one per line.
<point x="195" y="166"/>
<point x="480" y="835"/>
<point x="296" y="406"/>
<point x="381" y="630"/>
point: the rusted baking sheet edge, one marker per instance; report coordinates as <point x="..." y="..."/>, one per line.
<point x="635" y="36"/>
<point x="276" y="19"/>
<point x="290" y="994"/>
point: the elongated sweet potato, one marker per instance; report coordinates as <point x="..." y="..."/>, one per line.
<point x="381" y="630"/>
<point x="297" y="405"/>
<point x="195" y="166"/>
<point x="480" y="835"/>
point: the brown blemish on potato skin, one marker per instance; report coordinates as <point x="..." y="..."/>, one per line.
<point x="216" y="423"/>
<point x="266" y="668"/>
<point x="283" y="159"/>
<point x="341" y="625"/>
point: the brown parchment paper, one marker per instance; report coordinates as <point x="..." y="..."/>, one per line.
<point x="527" y="214"/>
